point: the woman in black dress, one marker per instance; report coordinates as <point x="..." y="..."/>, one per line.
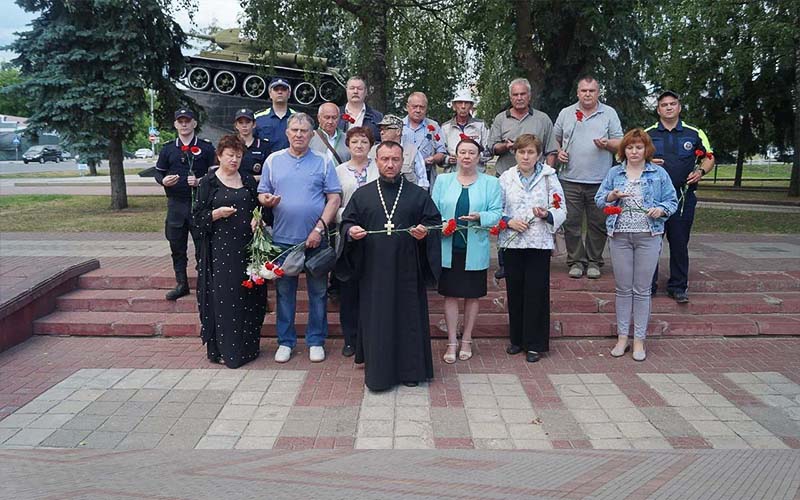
<point x="231" y="314"/>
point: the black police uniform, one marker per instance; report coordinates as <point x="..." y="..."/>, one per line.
<point x="174" y="160"/>
<point x="677" y="148"/>
<point x="254" y="157"/>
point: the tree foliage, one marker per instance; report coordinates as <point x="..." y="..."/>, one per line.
<point x="11" y="103"/>
<point x="87" y="65"/>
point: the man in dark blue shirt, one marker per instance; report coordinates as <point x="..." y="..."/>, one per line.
<point x="181" y="163"/>
<point x="686" y="154"/>
<point x="271" y="122"/>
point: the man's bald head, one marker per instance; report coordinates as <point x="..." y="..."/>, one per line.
<point x="328" y="117"/>
<point x="417" y="106"/>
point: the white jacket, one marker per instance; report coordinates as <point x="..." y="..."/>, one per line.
<point x="518" y="203"/>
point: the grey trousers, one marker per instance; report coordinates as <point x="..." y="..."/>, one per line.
<point x="580" y="204"/>
<point x="635" y="256"/>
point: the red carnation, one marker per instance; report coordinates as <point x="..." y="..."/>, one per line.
<point x="431" y="128"/>
<point x="579" y="115"/>
<point x="348" y="118"/>
<point x="556" y="200"/>
<point x="495" y="230"/>
<point x="612" y="210"/>
<point x="184" y="148"/>
<point x="436" y="137"/>
<point x="710" y="155"/>
<point x="464" y="137"/>
<point x="699" y="152"/>
<point x="259" y="281"/>
<point x="247" y="284"/>
<point x="195" y="150"/>
<point x="269" y="266"/>
<point x="278" y="272"/>
<point x="502" y="224"/>
<point x="449" y="228"/>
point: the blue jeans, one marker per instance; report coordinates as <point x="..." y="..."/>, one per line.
<point x="317" y="328"/>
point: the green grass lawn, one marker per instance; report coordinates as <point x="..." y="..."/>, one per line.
<point x="712" y="220"/>
<point x="65" y="213"/>
<point x="63" y="174"/>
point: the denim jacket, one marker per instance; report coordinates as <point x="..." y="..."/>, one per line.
<point x="657" y="191"/>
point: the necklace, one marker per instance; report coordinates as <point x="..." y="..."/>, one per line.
<point x="389" y="226"/>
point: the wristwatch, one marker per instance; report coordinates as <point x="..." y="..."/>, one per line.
<point x="318" y="229"/>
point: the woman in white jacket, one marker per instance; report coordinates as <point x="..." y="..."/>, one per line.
<point x="353" y="174"/>
<point x="533" y="209"/>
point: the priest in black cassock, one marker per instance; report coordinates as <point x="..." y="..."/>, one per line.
<point x="393" y="270"/>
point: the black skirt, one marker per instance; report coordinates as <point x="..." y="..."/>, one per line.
<point x="457" y="282"/>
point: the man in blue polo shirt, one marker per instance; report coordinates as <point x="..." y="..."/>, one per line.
<point x="302" y="188"/>
<point x="271" y="122"/>
<point x="678" y="147"/>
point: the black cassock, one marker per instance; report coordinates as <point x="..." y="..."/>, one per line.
<point x="392" y="273"/>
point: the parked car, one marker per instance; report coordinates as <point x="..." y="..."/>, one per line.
<point x="128" y="154"/>
<point x="143" y="153"/>
<point x="66" y="155"/>
<point x="42" y="154"/>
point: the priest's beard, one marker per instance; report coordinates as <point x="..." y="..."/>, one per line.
<point x="390" y="180"/>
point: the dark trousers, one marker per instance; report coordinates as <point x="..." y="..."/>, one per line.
<point x="528" y="292"/>
<point x="177" y="228"/>
<point x="348" y="310"/>
<point x="677" y="230"/>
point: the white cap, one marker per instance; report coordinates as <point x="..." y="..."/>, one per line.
<point x="464" y="96"/>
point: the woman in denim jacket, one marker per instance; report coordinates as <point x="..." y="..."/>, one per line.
<point x="638" y="197"/>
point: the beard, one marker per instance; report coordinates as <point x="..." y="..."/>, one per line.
<point x="389" y="180"/>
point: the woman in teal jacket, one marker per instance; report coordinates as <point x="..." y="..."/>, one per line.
<point x="472" y="199"/>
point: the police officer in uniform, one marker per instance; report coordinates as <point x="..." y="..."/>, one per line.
<point x="180" y="166"/>
<point x="271" y="122"/>
<point x="257" y="149"/>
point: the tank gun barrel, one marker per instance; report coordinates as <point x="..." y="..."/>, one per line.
<point x="289" y="58"/>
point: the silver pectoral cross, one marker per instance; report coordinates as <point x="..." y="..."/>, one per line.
<point x="389" y="226"/>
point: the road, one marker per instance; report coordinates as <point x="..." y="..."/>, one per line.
<point x="18" y="167"/>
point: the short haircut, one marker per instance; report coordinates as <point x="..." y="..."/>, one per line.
<point x="418" y="94"/>
<point x="230" y="141"/>
<point x="469" y="141"/>
<point x="528" y="140"/>
<point x="364" y="131"/>
<point x="357" y="77"/>
<point x="300" y="117"/>
<point x="520" y="81"/>
<point x="388" y="144"/>
<point x="327" y="105"/>
<point x="636" y="135"/>
<point x="588" y="78"/>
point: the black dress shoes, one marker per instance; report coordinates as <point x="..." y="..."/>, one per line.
<point x="680" y="297"/>
<point x="513" y="349"/>
<point x="532" y="357"/>
<point x="348" y="350"/>
<point x="411" y="384"/>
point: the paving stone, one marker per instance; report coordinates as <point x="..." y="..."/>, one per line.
<point x="103" y="440"/>
<point x="532" y="444"/>
<point x="727" y="442"/>
<point x="612" y="402"/>
<point x="712" y="428"/>
<point x="375" y="428"/>
<point x="17" y="420"/>
<point x="501" y="378"/>
<point x="69" y="407"/>
<point x="255" y="443"/>
<point x="515" y="390"/>
<point x="137" y="379"/>
<point x="263" y="428"/>
<point x="789" y="389"/>
<point x="517" y="416"/>
<point x="473" y="378"/>
<point x="221" y="384"/>
<point x="412" y="400"/>
<point x="180" y="441"/>
<point x="28" y="437"/>
<point x="271" y="413"/>
<point x="413" y="443"/>
<point x="156" y="425"/>
<point x="120" y="424"/>
<point x="594" y="378"/>
<point x="765" y="442"/>
<point x="50" y="421"/>
<point x="604" y="389"/>
<point x="610" y="444"/>
<point x="652" y="443"/>
<point x="300" y="428"/>
<point x="772" y="377"/>
<point x="148" y="395"/>
<point x="37" y="407"/>
<point x="601" y="431"/>
<point x="212" y="396"/>
<point x="338" y="427"/>
<point x="386" y="398"/>
<point x="564" y="379"/>
<point x="715" y="401"/>
<point x="279" y="386"/>
<point x="758" y="389"/>
<point x="729" y="414"/>
<point x="64" y="438"/>
<point x="306" y="413"/>
<point x="574" y="390"/>
<point x="684" y="378"/>
<point x="743" y="378"/>
<point x="188" y="425"/>
<point x="526" y="431"/>
<point x="748" y="428"/>
<point x="278" y="399"/>
<point x="484" y="415"/>
<point x="117" y="395"/>
<point x="696" y="413"/>
<point x="580" y="403"/>
<point x="166" y="379"/>
<point x="777" y="401"/>
<point x="195" y="380"/>
<point x="164" y="409"/>
<point x="452" y="429"/>
<point x="217" y="443"/>
<point x="342" y="413"/>
<point x="290" y="375"/>
<point x="590" y="416"/>
<point x="559" y="424"/>
<point x="55" y="394"/>
<point x="105" y="408"/>
<point x="488" y="430"/>
<point x="698" y="389"/>
<point x="477" y="389"/>
<point x="773" y="419"/>
<point x="473" y="401"/>
<point x="237" y="412"/>
<point x="135" y="408"/>
<point x="84" y="422"/>
<point x="7" y="433"/>
<point x="85" y="395"/>
<point x="681" y="399"/>
<point x="493" y="444"/>
<point x="373" y="443"/>
<point x="638" y="430"/>
<point x="245" y="398"/>
<point x="140" y="441"/>
<point x="107" y="379"/>
<point x="620" y="415"/>
<point x="418" y="429"/>
<point x="202" y="410"/>
<point x="180" y="396"/>
<point x="227" y="427"/>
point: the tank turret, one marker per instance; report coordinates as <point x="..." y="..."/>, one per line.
<point x="240" y="69"/>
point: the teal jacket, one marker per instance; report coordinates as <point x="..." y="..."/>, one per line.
<point x="486" y="199"/>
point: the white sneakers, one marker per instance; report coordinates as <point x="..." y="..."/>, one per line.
<point x="283" y="354"/>
<point x="316" y="353"/>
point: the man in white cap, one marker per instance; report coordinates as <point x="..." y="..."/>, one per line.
<point x="271" y="122"/>
<point x="462" y="126"/>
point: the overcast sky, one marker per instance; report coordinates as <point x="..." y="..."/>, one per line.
<point x="223" y="13"/>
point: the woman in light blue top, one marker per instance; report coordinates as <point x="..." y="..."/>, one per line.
<point x="638" y="197"/>
<point x="471" y="199"/>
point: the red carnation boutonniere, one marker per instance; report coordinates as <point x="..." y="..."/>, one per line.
<point x="699" y="152"/>
<point x="348" y="118"/>
<point x="612" y="210"/>
<point x="556" y="201"/>
<point x="464" y="137"/>
<point x="184" y="148"/>
<point x="579" y="115"/>
<point x="437" y="137"/>
<point x="449" y="228"/>
<point x="431" y="128"/>
<point x="195" y="150"/>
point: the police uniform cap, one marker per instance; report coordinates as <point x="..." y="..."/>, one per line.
<point x="244" y="113"/>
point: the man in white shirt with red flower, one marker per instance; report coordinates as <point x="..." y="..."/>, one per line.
<point x="357" y="113"/>
<point x="423" y="133"/>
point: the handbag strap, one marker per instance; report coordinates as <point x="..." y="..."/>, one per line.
<point x="327" y="232"/>
<point x="328" y="144"/>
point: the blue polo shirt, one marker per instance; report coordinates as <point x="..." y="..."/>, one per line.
<point x="677" y="148"/>
<point x="273" y="129"/>
<point x="302" y="183"/>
